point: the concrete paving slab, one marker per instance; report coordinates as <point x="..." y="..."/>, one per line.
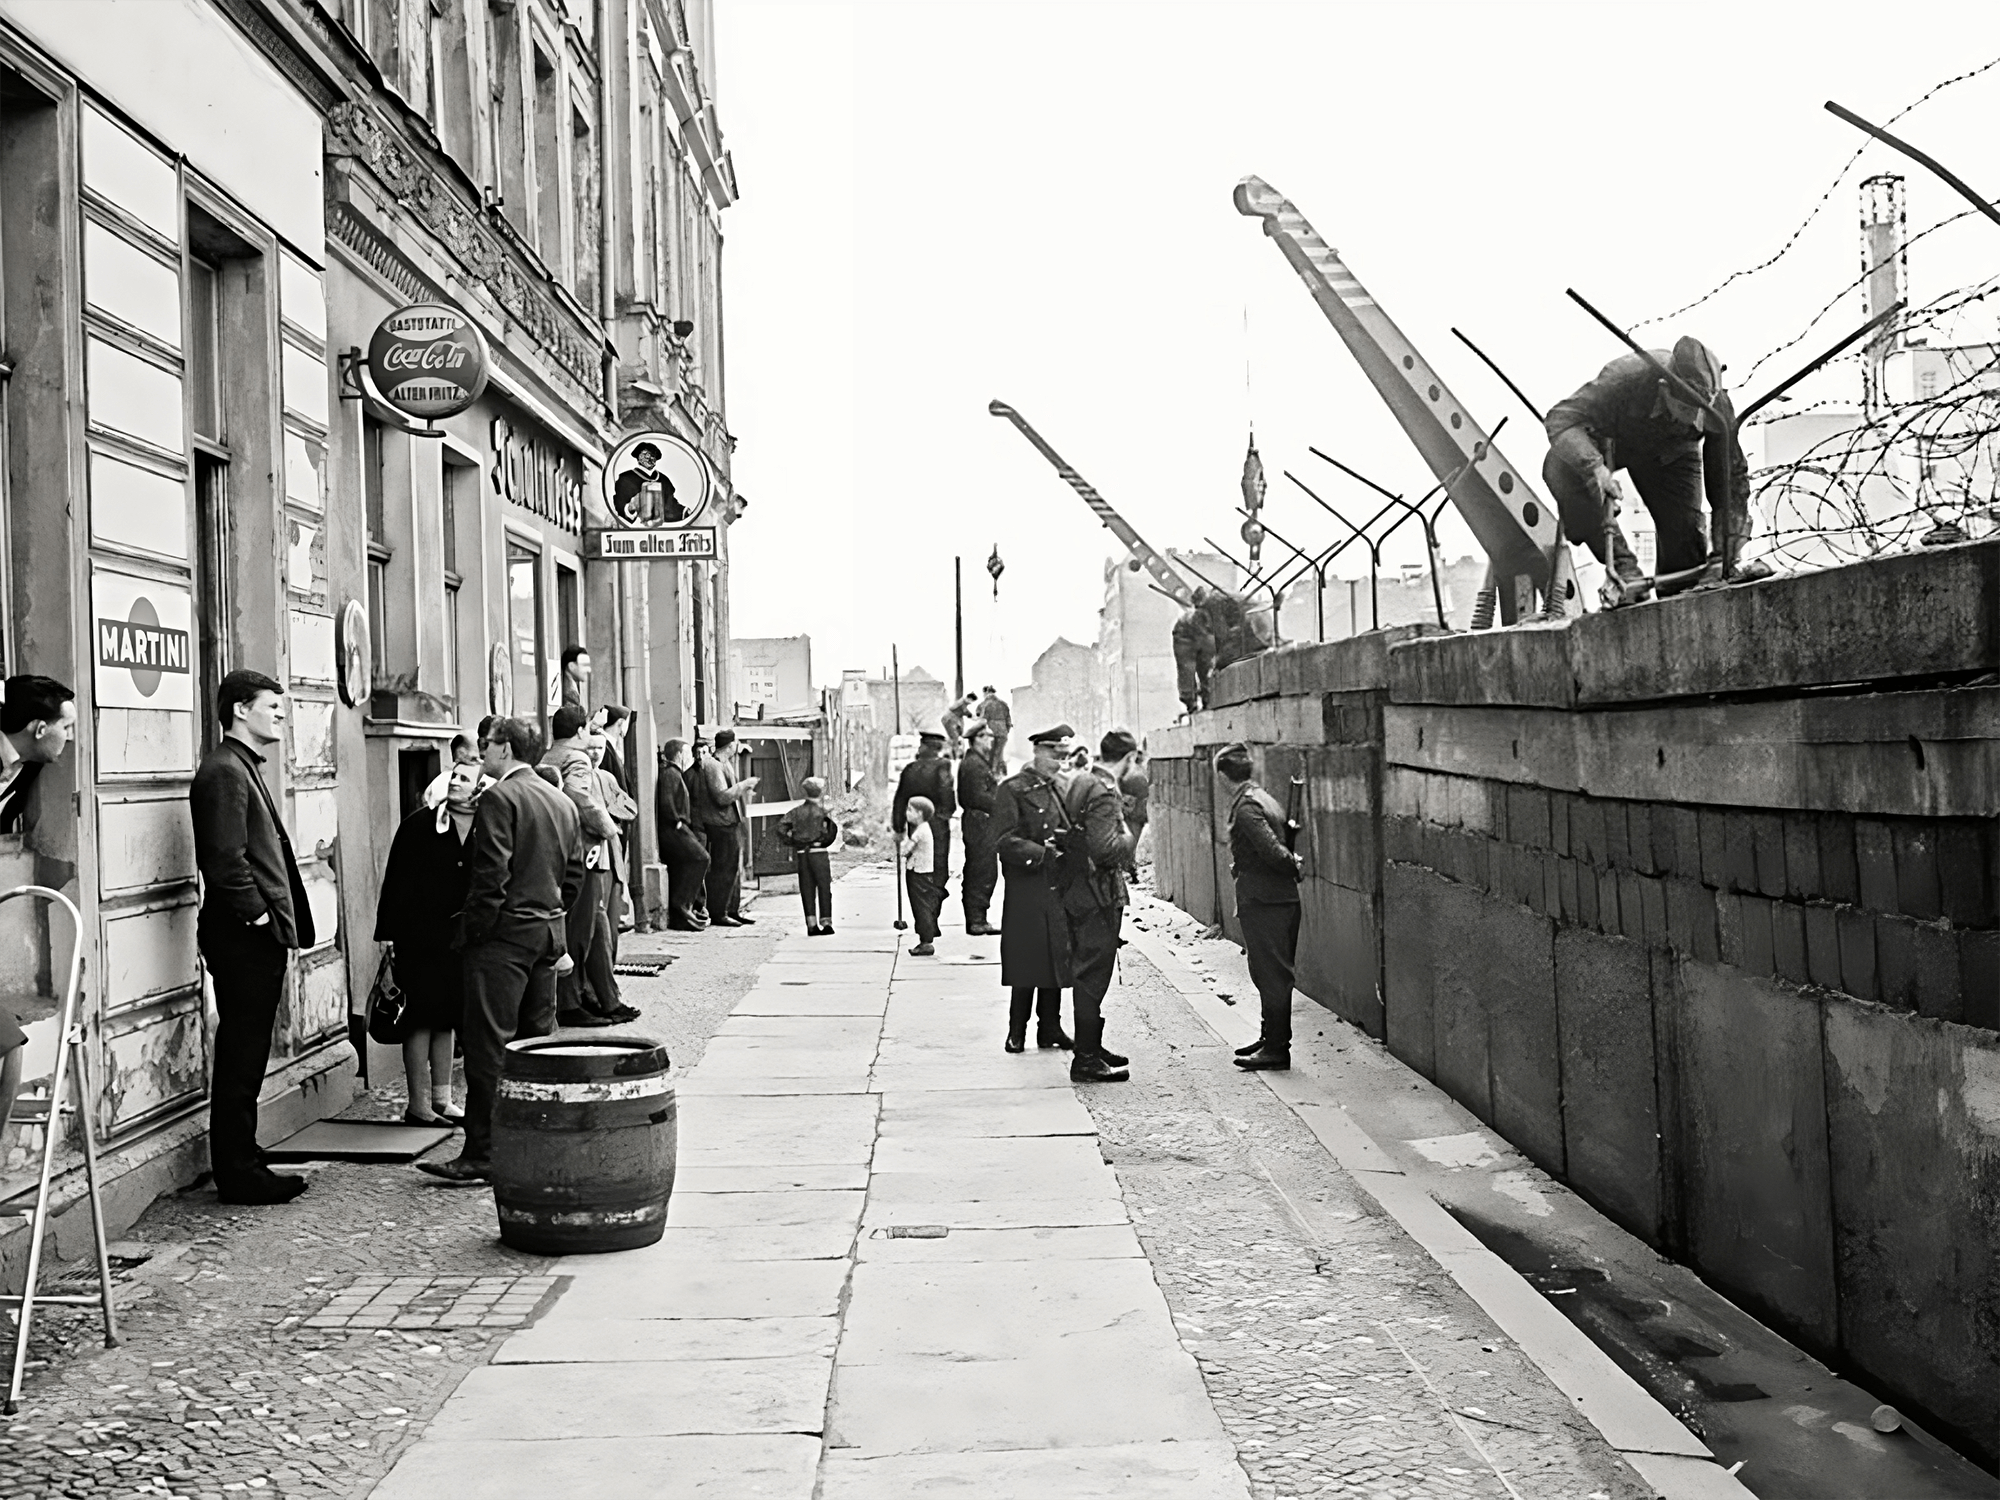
<point x="622" y="1288"/>
<point x="1139" y="1471"/>
<point x="1002" y="1072"/>
<point x="1002" y="1310"/>
<point x="991" y="1213"/>
<point x="674" y="1398"/>
<point x="1073" y="1243"/>
<point x="651" y="1468"/>
<point x="1057" y="1163"/>
<point x="702" y="1177"/>
<point x="716" y="1210"/>
<point x="943" y="1114"/>
<point x="831" y="1000"/>
<point x="712" y="1243"/>
<point x="1064" y="1398"/>
<point x="774" y="1145"/>
<point x="625" y="1340"/>
<point x="1028" y="1179"/>
<point x="742" y="1115"/>
<point x="833" y="1029"/>
<point x="702" y="1086"/>
<point x="730" y="1058"/>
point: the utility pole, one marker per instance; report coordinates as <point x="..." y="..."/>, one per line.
<point x="957" y="631"/>
<point x="896" y="687"/>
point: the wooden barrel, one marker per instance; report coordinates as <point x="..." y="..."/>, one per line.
<point x="584" y="1140"/>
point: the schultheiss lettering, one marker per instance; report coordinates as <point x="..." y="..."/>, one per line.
<point x="533" y="475"/>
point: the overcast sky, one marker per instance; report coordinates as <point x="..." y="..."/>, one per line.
<point x="947" y="201"/>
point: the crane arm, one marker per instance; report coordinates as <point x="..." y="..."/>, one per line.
<point x="1515" y="526"/>
<point x="1164" y="573"/>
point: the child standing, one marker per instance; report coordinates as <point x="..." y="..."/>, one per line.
<point x="808" y="830"/>
<point x="919" y="854"/>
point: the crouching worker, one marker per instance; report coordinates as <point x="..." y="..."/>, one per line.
<point x="808" y="830"/>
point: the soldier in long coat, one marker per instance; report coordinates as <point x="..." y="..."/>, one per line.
<point x="1027" y="828"/>
<point x="1095" y="854"/>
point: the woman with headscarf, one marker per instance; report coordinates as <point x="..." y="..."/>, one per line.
<point x="423" y="888"/>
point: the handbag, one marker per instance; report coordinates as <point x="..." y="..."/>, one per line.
<point x="388" y="1005"/>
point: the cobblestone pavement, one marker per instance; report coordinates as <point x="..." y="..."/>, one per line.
<point x="1341" y="1358"/>
<point x="223" y="1387"/>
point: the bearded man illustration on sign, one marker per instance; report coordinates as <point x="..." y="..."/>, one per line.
<point x="644" y="496"/>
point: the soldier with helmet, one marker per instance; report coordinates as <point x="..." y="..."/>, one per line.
<point x="1676" y="437"/>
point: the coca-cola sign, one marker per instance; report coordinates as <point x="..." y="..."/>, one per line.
<point x="428" y="361"/>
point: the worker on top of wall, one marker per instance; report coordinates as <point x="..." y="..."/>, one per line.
<point x="1194" y="653"/>
<point x="1677" y="439"/>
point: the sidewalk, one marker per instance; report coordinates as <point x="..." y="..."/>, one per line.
<point x="896" y="1263"/>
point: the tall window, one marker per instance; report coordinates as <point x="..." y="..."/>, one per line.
<point x="461" y="495"/>
<point x="524" y="629"/>
<point x="549" y="232"/>
<point x="584" y="216"/>
<point x="509" y="144"/>
<point x="373" y="486"/>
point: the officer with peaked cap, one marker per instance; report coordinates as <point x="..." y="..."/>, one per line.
<point x="1676" y="437"/>
<point x="1027" y="829"/>
<point x="929" y="775"/>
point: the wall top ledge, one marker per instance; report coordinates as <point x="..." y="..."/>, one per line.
<point x="1357" y="664"/>
<point x="1892" y="619"/>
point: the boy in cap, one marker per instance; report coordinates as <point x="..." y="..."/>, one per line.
<point x="929" y="776"/>
<point x="809" y="831"/>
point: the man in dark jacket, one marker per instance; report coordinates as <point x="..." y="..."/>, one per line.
<point x="718" y="806"/>
<point x="1094" y="857"/>
<point x="253" y="914"/>
<point x="1194" y="653"/>
<point x="1267" y="904"/>
<point x="977" y="788"/>
<point x="1676" y="438"/>
<point x="1000" y="719"/>
<point x="524" y="870"/>
<point x="929" y="775"/>
<point x="681" y="848"/>
<point x="1028" y="825"/>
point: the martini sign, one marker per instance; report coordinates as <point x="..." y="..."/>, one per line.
<point x="144" y="654"/>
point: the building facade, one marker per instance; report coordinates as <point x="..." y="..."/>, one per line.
<point x="773" y="676"/>
<point x="195" y="459"/>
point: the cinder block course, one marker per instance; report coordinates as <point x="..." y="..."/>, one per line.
<point x="1823" y="946"/>
<point x="1839" y="872"/>
<point x="1767" y="837"/>
<point x="1802" y="872"/>
<point x="1857" y="953"/>
<point x="1759" y="953"/>
<point x="1617" y="836"/>
<point x="1963" y="865"/>
<point x="1713" y="824"/>
<point x="1729" y="929"/>
<point x="1684" y="840"/>
<point x="1703" y="924"/>
<point x="1559" y="809"/>
<point x="1917" y="891"/>
<point x="1569" y="906"/>
<point x="1896" y="962"/>
<point x="1586" y="830"/>
<point x="1788" y="942"/>
<point x="1608" y="904"/>
<point x="1408" y="949"/>
<point x="1979" y="978"/>
<point x="1632" y="905"/>
<point x="1875" y="856"/>
<point x="1939" y="977"/>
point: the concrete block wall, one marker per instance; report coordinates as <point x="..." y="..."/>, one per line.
<point x="1699" y="906"/>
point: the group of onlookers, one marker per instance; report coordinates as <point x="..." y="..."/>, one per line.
<point x="698" y="809"/>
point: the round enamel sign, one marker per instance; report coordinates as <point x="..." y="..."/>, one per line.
<point x="428" y="361"/>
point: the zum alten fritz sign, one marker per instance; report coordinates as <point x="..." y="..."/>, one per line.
<point x="660" y="492"/>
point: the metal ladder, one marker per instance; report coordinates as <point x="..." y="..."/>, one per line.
<point x="70" y="1069"/>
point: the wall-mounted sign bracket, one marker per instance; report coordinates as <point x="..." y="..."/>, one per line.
<point x="356" y="386"/>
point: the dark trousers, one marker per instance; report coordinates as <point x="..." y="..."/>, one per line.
<point x="982" y="866"/>
<point x="1670" y="491"/>
<point x="510" y="990"/>
<point x="1046" y="1004"/>
<point x="247" y="966"/>
<point x="816" y="886"/>
<point x="1271" y="942"/>
<point x="1093" y="939"/>
<point x="725" y="873"/>
<point x="926" y="901"/>
<point x="686" y="858"/>
<point x="941" y="855"/>
<point x="587" y="931"/>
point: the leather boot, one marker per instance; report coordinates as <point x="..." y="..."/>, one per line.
<point x="1088" y="1065"/>
<point x="1048" y="1021"/>
<point x="1019" y="1003"/>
